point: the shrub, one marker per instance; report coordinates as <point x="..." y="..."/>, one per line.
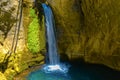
<point x="33" y="33"/>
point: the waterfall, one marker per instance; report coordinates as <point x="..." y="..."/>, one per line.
<point x="53" y="63"/>
<point x="53" y="56"/>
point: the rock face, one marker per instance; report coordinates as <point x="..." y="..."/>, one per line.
<point x="68" y="25"/>
<point x="22" y="58"/>
<point x="8" y="24"/>
<point x="2" y="77"/>
<point x="89" y="28"/>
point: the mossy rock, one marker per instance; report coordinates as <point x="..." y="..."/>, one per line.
<point x="9" y="73"/>
<point x="36" y="36"/>
<point x="2" y="77"/>
<point x="2" y="57"/>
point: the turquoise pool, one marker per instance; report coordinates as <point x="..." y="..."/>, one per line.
<point x="81" y="71"/>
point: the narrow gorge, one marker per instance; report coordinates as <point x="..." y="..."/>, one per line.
<point x="86" y="31"/>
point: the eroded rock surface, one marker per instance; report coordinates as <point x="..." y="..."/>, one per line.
<point x="22" y="58"/>
<point x="89" y="28"/>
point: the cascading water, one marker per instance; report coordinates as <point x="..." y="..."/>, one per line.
<point x="51" y="41"/>
<point x="54" y="70"/>
<point x="53" y="63"/>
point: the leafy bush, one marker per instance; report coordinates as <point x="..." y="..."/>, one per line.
<point x="33" y="33"/>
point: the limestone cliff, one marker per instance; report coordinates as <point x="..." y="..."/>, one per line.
<point x="85" y="28"/>
<point x="89" y="28"/>
<point x="12" y="63"/>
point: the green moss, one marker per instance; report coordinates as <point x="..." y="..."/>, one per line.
<point x="32" y="13"/>
<point x="35" y="37"/>
<point x="33" y="33"/>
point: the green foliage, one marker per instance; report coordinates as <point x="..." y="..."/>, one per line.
<point x="33" y="33"/>
<point x="32" y="13"/>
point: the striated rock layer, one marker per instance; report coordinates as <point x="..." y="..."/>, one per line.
<point x="88" y="29"/>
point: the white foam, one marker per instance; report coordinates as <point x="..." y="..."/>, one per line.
<point x="55" y="68"/>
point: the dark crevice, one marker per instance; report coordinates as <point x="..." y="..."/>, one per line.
<point x="39" y="11"/>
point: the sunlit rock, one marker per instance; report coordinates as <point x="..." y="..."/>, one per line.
<point x="2" y="77"/>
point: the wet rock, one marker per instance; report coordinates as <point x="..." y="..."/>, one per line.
<point x="89" y="29"/>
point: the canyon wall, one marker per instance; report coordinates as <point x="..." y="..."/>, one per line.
<point x="12" y="63"/>
<point x="88" y="29"/>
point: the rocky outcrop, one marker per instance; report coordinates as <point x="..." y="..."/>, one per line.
<point x="89" y="29"/>
<point x="12" y="63"/>
<point x="7" y="22"/>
